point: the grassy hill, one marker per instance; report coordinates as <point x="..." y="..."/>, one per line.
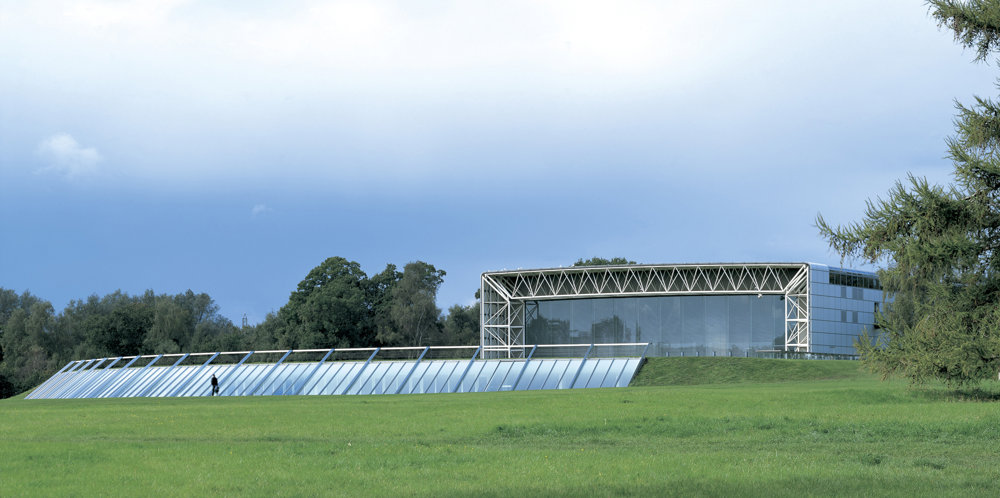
<point x="695" y="371"/>
<point x="792" y="435"/>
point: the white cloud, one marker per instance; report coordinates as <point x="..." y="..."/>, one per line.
<point x="65" y="156"/>
<point x="185" y="91"/>
<point x="259" y="209"/>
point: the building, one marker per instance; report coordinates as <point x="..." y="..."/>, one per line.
<point x="556" y="328"/>
<point x="722" y="309"/>
<point x="345" y="371"/>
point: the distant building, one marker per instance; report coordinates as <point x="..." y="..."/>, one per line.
<point x="721" y="309"/>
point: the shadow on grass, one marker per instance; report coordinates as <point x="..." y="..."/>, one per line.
<point x="984" y="394"/>
<point x="865" y="483"/>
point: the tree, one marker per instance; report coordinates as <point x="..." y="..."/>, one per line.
<point x="461" y="326"/>
<point x="6" y="387"/>
<point x="264" y="335"/>
<point x="188" y="322"/>
<point x="412" y="306"/>
<point x="9" y="302"/>
<point x="26" y="342"/>
<point x="380" y="300"/>
<point x="328" y="309"/>
<point x="87" y="323"/>
<point x="127" y="329"/>
<point x="218" y="333"/>
<point x="37" y="341"/>
<point x="939" y="247"/>
<point x="595" y="261"/>
<point x="171" y="328"/>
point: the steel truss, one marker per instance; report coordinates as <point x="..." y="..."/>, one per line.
<point x="504" y="293"/>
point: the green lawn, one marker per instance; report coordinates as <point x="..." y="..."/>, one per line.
<point x="849" y="435"/>
<point x="686" y="371"/>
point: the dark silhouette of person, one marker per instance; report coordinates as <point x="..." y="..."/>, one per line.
<point x="215" y="385"/>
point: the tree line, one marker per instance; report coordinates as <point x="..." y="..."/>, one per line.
<point x="337" y="305"/>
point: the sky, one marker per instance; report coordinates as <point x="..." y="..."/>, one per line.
<point x="230" y="147"/>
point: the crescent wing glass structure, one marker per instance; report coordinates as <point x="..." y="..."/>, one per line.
<point x="443" y="369"/>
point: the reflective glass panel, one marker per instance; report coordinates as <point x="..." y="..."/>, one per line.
<point x="614" y="371"/>
<point x="497" y="379"/>
<point x="674" y="325"/>
<point x="605" y="321"/>
<point x="529" y="373"/>
<point x="585" y="373"/>
<point x="541" y="374"/>
<point x="370" y="376"/>
<point x="625" y="319"/>
<point x="415" y="375"/>
<point x="581" y="320"/>
<point x="351" y="372"/>
<point x="647" y="327"/>
<point x="470" y="378"/>
<point x="336" y="376"/>
<point x="571" y="370"/>
<point x="600" y="372"/>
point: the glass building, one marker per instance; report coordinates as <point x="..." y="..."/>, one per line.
<point x="693" y="310"/>
<point x="346" y="371"/>
<point x="556" y="328"/>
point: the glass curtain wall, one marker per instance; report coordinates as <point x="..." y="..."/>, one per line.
<point x="673" y="325"/>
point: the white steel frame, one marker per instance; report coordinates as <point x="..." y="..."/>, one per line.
<point x="504" y="293"/>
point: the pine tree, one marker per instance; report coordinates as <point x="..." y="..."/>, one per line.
<point x="938" y="246"/>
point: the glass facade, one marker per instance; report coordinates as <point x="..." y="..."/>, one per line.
<point x="101" y="379"/>
<point x="843" y="306"/>
<point x="698" y="325"/>
<point x="719" y="309"/>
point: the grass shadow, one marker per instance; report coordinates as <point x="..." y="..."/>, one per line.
<point x="982" y="394"/>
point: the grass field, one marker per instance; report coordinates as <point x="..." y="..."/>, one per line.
<point x="688" y="371"/>
<point x="822" y="428"/>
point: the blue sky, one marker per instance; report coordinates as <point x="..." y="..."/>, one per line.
<point x="230" y="147"/>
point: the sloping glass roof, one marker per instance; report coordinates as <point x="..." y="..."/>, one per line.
<point x="446" y="369"/>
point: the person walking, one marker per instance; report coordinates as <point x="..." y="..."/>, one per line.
<point x="215" y="385"/>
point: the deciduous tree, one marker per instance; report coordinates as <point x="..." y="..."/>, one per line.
<point x="413" y="306"/>
<point x="595" y="261"/>
<point x="461" y="326"/>
<point x="329" y="308"/>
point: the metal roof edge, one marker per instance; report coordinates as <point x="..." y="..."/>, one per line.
<point x="645" y="265"/>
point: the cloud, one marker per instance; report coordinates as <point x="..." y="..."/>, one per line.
<point x="462" y="89"/>
<point x="65" y="156"/>
<point x="259" y="209"/>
